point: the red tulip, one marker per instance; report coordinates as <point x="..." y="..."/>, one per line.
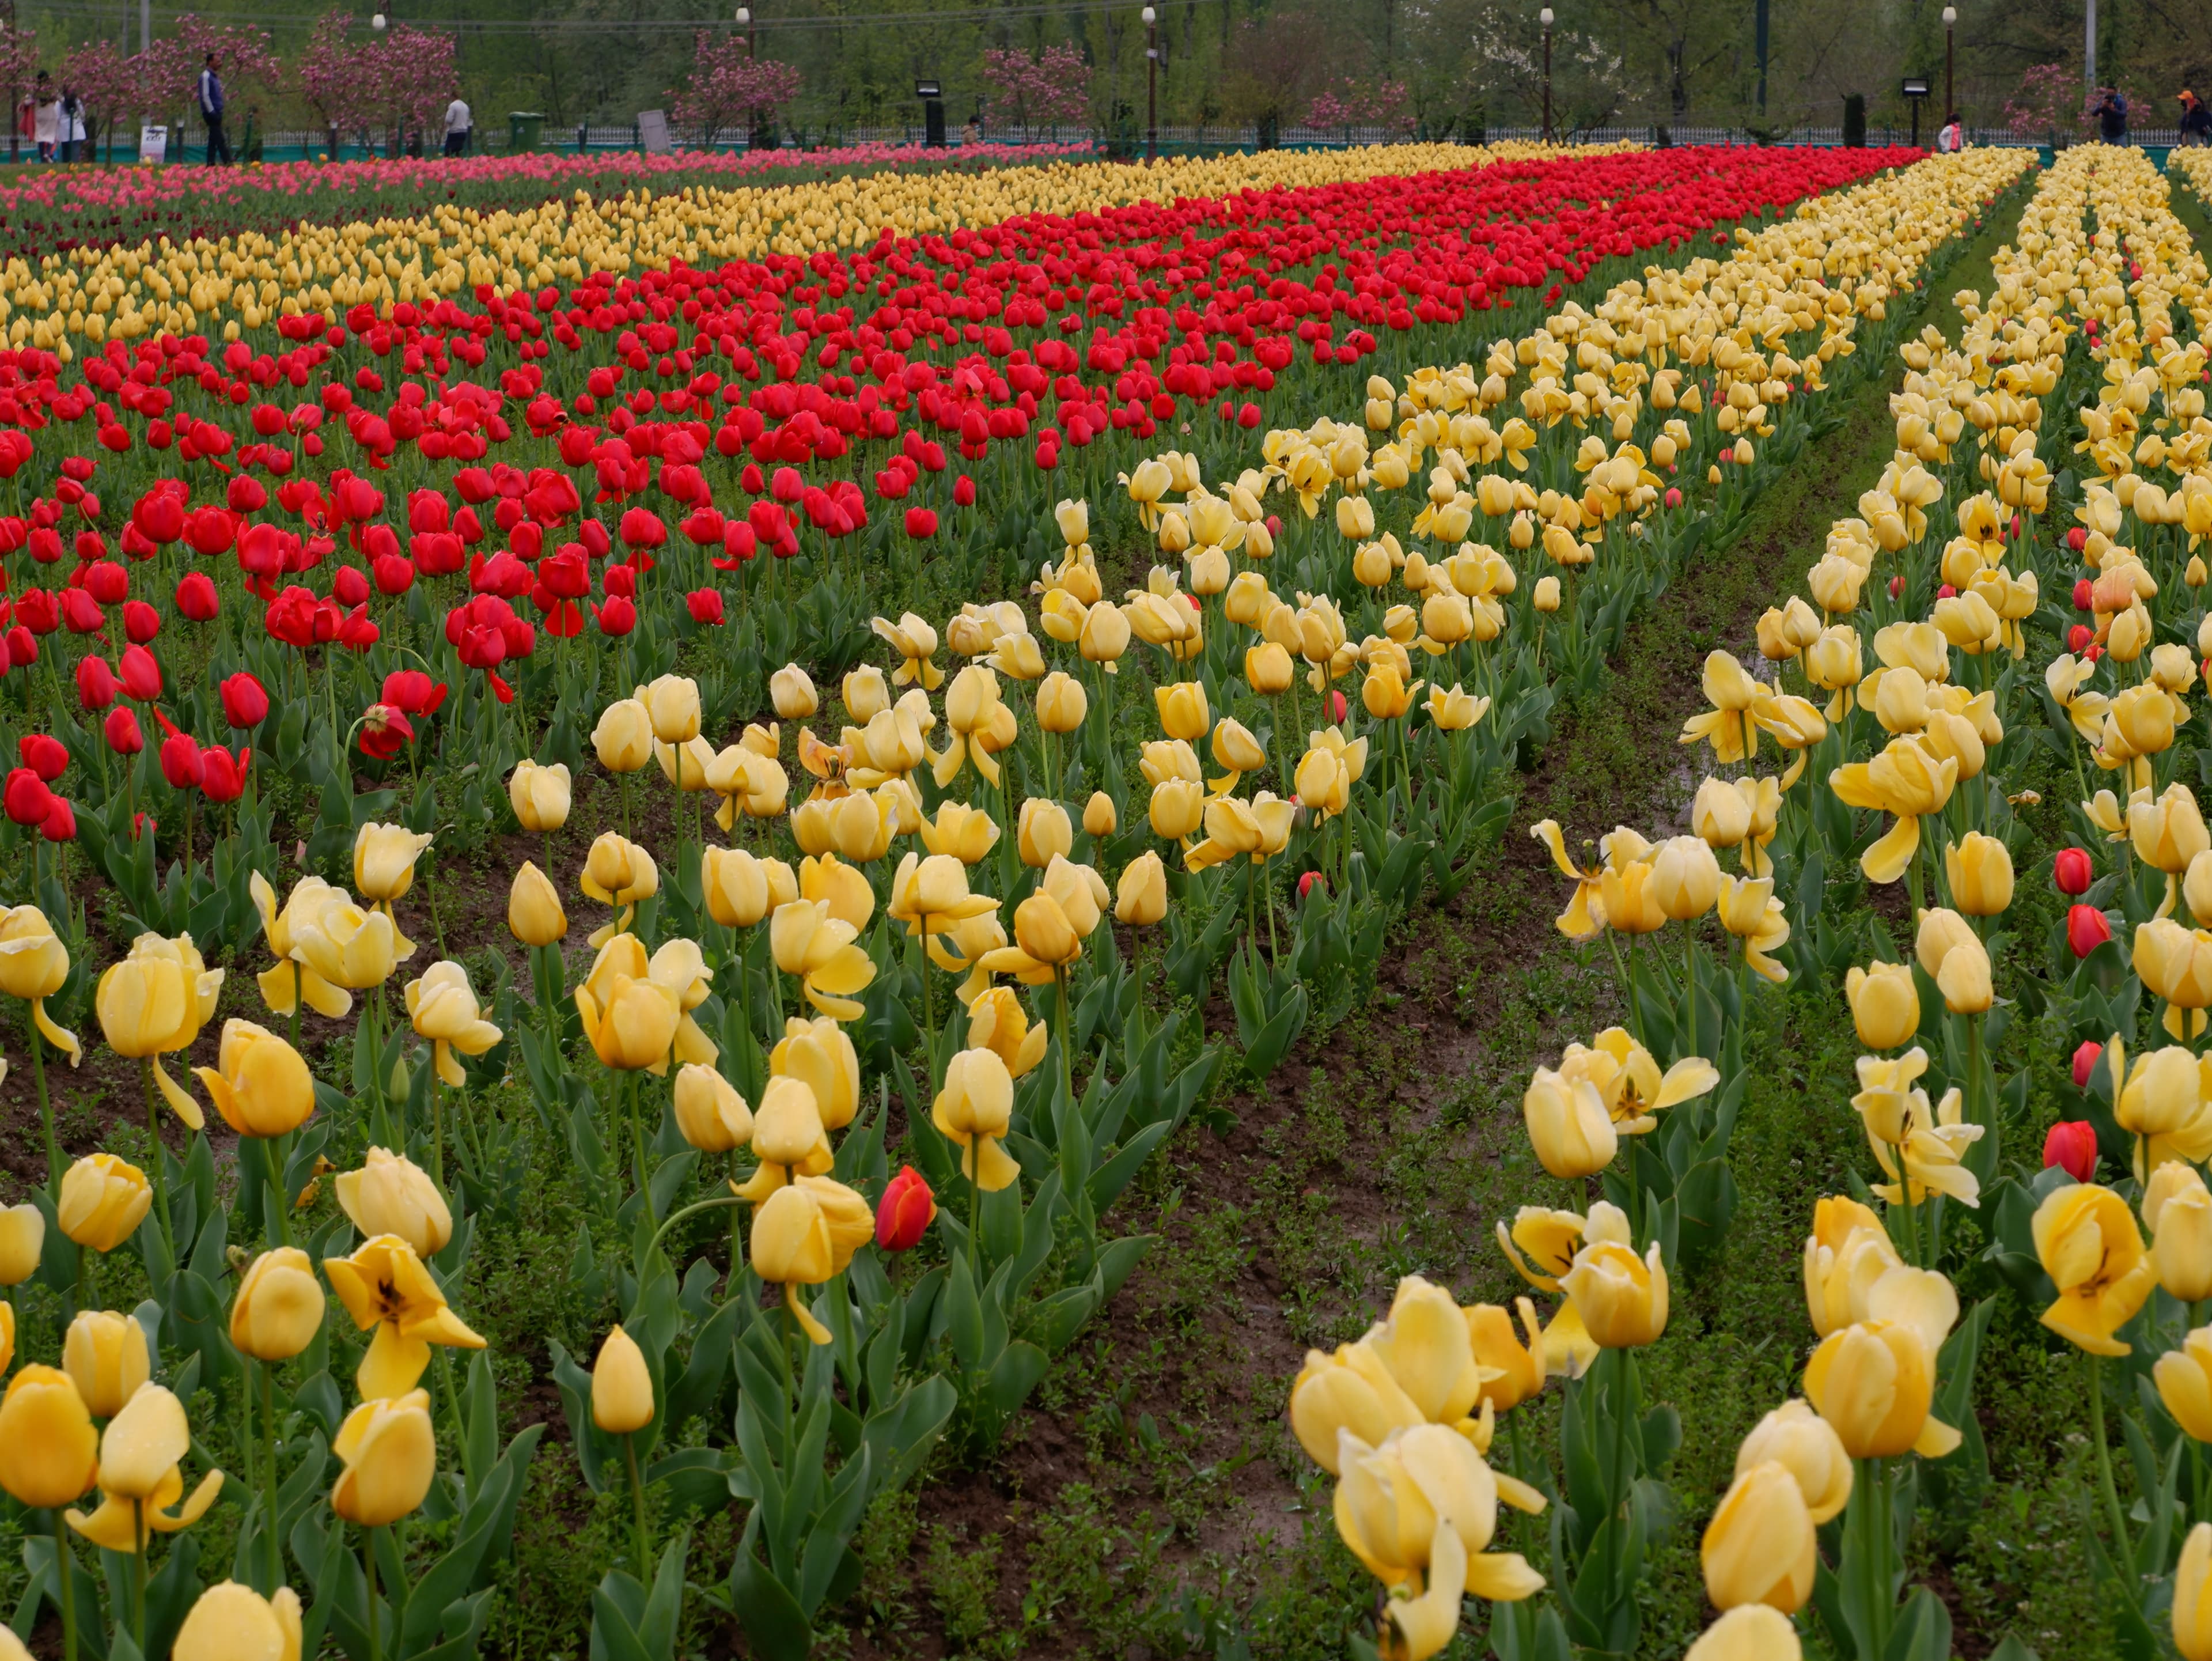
<point x="60" y="822"/>
<point x="2082" y="591"/>
<point x="37" y="610"/>
<point x="245" y="703"/>
<point x="2077" y="538"/>
<point x="221" y="777"/>
<point x="414" y="693"/>
<point x="141" y="622"/>
<point x="2085" y="1057"/>
<point x="617" y="617"/>
<point x="140" y="674"/>
<point x="920" y="522"/>
<point x="2079" y="637"/>
<point x="22" y="647"/>
<point x="25" y="797"/>
<point x="181" y="761"/>
<point x="2087" y="928"/>
<point x="2071" y="1144"/>
<point x="122" y="731"/>
<point x="196" y="598"/>
<point x="80" y="614"/>
<point x="350" y="586"/>
<point x="905" y="1212"/>
<point x="106" y="582"/>
<point x="2072" y="871"/>
<point x="44" y="754"/>
<point x="385" y="732"/>
<point x="95" y="682"/>
<point x="705" y="605"/>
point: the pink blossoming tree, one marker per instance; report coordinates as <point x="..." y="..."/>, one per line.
<point x="730" y="90"/>
<point x="1350" y="103"/>
<point x="111" y="84"/>
<point x="1049" y="89"/>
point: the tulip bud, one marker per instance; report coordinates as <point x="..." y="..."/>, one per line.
<point x="23" y="1238"/>
<point x="2072" y="871"/>
<point x="540" y="795"/>
<point x="2177" y="1211"/>
<point x="49" y="1452"/>
<point x="102" y="1201"/>
<point x="905" y="1212"/>
<point x="393" y="1195"/>
<point x="1546" y="597"/>
<point x="534" y="915"/>
<point x="279" y="1306"/>
<point x="1885" y="1004"/>
<point x="1061" y="703"/>
<point x="623" y="740"/>
<point x="1686" y="879"/>
<point x="106" y="1357"/>
<point x="791" y="690"/>
<point x="390" y="1452"/>
<point x="710" y="1112"/>
<point x="1979" y="873"/>
<point x="1759" y="1546"/>
<point x="621" y="1385"/>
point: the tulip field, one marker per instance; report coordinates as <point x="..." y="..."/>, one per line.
<point x="1404" y="902"/>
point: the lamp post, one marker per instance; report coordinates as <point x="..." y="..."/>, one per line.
<point x="1544" y="18"/>
<point x="745" y="22"/>
<point x="1950" y="102"/>
<point x="1152" y="84"/>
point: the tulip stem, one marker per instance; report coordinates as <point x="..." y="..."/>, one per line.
<point x="296" y="977"/>
<point x="369" y="1567"/>
<point x="637" y="1498"/>
<point x="65" y="1572"/>
<point x="46" y="1109"/>
<point x="637" y="1144"/>
<point x="1067" y="1040"/>
<point x="139" y="1572"/>
<point x="1690" y="984"/>
<point x="2114" y="1515"/>
<point x="437" y="1127"/>
<point x="268" y="1372"/>
<point x="696" y="1207"/>
<point x="158" y="1159"/>
<point x="280" y="1197"/>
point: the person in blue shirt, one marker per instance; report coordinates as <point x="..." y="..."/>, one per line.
<point x="210" y="96"/>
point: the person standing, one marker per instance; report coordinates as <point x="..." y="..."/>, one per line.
<point x="460" y="126"/>
<point x="210" y="98"/>
<point x="2111" y="114"/>
<point x="46" y="121"/>
<point x="72" y="126"/>
<point x="1951" y="137"/>
<point x="2196" y="120"/>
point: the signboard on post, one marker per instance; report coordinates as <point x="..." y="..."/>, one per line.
<point x="652" y="132"/>
<point x="153" y="144"/>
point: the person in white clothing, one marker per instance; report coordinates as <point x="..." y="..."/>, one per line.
<point x="1951" y="137"/>
<point x="47" y="121"/>
<point x="459" y="126"/>
<point x="71" y="128"/>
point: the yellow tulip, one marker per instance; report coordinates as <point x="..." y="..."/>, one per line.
<point x="383" y="858"/>
<point x="106" y="1357"/>
<point x="818" y="951"/>
<point x="622" y="1386"/>
<point x="1885" y="1004"/>
<point x="1622" y="1298"/>
<point x="1061" y="703"/>
<point x="620" y="873"/>
<point x="540" y="795"/>
<point x="390" y="1452"/>
<point x="1568" y="1123"/>
<point x="965" y="833"/>
<point x="534" y="915"/>
<point x="1759" y="1546"/>
<point x="49" y="1452"/>
<point x="2086" y="1240"/>
<point x="1518" y="1369"/>
<point x="231" y="1622"/>
<point x="2184" y="1377"/>
<point x="1043" y="833"/>
<point x="141" y="1482"/>
<point x="623" y="740"/>
<point x="346" y="946"/>
<point x="259" y="1083"/>
<point x="102" y="1201"/>
<point x="710" y="1112"/>
<point x="672" y="706"/>
<point x="1806" y="1446"/>
<point x="1427" y="1537"/>
<point x="1847" y="1253"/>
<point x="974" y="1109"/>
<point x="1905" y="780"/>
<point x="1979" y="873"/>
<point x="34" y="966"/>
<point x="1100" y="816"/>
<point x="23" y="1238"/>
<point x="1749" y="1632"/>
<point x="393" y="1195"/>
<point x="791" y="690"/>
<point x="2192" y="1609"/>
<point x="805" y="1233"/>
<point x="1141" y="900"/>
<point x="279" y="1306"/>
<point x="154" y="1001"/>
<point x="385" y="1288"/>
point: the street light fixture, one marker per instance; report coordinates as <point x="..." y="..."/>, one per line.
<point x="1152" y="84"/>
<point x="377" y="22"/>
<point x="1544" y="18"/>
<point x="1950" y="103"/>
<point x="745" y="22"/>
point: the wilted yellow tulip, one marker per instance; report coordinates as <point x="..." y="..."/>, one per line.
<point x="1905" y="780"/>
<point x="279" y="1306"/>
<point x="915" y="641"/>
<point x="102" y="1201"/>
<point x="390" y="1452"/>
<point x="385" y="1287"/>
<point x="1427" y="1537"/>
<point x="540" y="795"/>
<point x="803" y="1234"/>
<point x="534" y="915"/>
<point x="1759" y="1546"/>
<point x="2086" y="1239"/>
<point x="260" y="1084"/>
<point x="622" y="1386"/>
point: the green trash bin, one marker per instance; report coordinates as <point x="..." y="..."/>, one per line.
<point x="524" y="128"/>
